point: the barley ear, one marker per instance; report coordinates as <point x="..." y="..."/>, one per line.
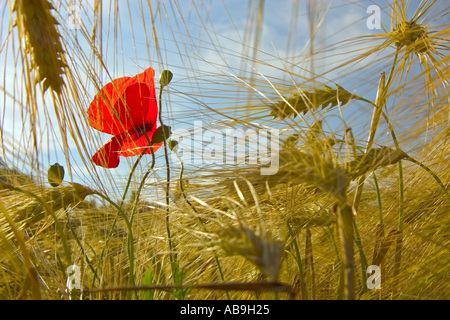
<point x="39" y="29"/>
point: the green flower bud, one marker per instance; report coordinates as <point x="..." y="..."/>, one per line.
<point x="55" y="174"/>
<point x="165" y="78"/>
<point x="161" y="134"/>
<point x="172" y="144"/>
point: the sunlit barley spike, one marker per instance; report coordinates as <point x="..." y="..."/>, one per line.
<point x="260" y="249"/>
<point x="301" y="168"/>
<point x="304" y="218"/>
<point x="307" y="100"/>
<point x="56" y="198"/>
<point x="317" y="171"/>
<point x="411" y="35"/>
<point x="39" y="29"/>
<point x="375" y="158"/>
<point x="384" y="247"/>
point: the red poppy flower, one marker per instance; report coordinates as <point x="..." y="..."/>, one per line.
<point x="127" y="109"/>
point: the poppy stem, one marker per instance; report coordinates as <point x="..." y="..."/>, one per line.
<point x="121" y="213"/>
<point x="180" y="179"/>
<point x="141" y="185"/>
<point x="172" y="255"/>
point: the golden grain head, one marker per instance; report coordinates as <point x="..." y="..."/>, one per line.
<point x="301" y="103"/>
<point x="259" y="248"/>
<point x="39" y="28"/>
<point x="373" y="159"/>
<point x="411" y="35"/>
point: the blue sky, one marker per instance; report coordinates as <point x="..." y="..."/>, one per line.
<point x="206" y="46"/>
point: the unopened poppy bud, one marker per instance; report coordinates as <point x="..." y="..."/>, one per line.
<point x="172" y="144"/>
<point x="55" y="174"/>
<point x="161" y="133"/>
<point x="166" y="77"/>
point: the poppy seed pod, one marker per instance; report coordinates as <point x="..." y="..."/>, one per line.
<point x="166" y="77"/>
<point x="55" y="174"/>
<point x="172" y="144"/>
<point x="161" y="134"/>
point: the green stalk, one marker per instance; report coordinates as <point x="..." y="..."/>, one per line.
<point x="141" y="185"/>
<point x="94" y="271"/>
<point x="130" y="247"/>
<point x="340" y="287"/>
<point x="298" y="259"/>
<point x="380" y="207"/>
<point x="362" y="256"/>
<point x="310" y="263"/>
<point x="399" y="242"/>
<point x="172" y="254"/>
<point x="345" y="218"/>
<point x="119" y="212"/>
<point x="444" y="189"/>
<point x="378" y="109"/>
<point x="401" y="196"/>
<point x="130" y="234"/>
<point x="216" y="258"/>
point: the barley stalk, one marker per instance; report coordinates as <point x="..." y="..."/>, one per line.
<point x="309" y="263"/>
<point x="344" y="217"/>
<point x="379" y="103"/>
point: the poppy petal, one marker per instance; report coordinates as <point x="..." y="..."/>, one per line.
<point x="146" y="77"/>
<point x="100" y="111"/>
<point x="135" y="143"/>
<point x="137" y="108"/>
<point x="108" y="155"/>
<point x="124" y="103"/>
